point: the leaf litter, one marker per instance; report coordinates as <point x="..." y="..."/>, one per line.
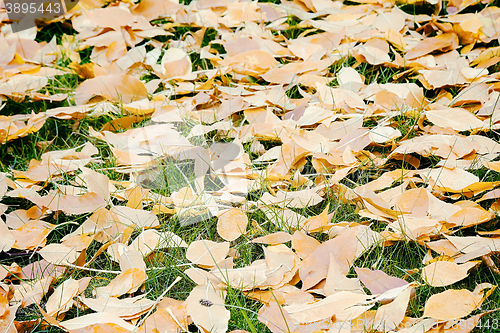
<point x="291" y="115"/>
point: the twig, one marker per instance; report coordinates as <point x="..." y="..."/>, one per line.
<point x="490" y="263"/>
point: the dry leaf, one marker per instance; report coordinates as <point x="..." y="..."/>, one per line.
<point x="303" y="244"/>
<point x="95" y="320"/>
<point x="125" y="283"/>
<point x="314" y="268"/>
<point x="453" y="304"/>
<point x="443" y="273"/>
<point x="389" y="316"/>
<point x="115" y="88"/>
<point x="207" y="253"/>
<point x="127" y="308"/>
<point x="232" y="224"/>
<point x="206" y="308"/>
<point x="377" y="281"/>
<point x="276" y="238"/>
<point x="59" y="254"/>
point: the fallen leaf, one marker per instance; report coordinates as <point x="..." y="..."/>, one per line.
<point x="275" y="238"/>
<point x="128" y="308"/>
<point x="207" y="253"/>
<point x="59" y="254"/>
<point x="115" y="88"/>
<point x="95" y="320"/>
<point x="232" y="224"/>
<point x="303" y="244"/>
<point x="377" y="281"/>
<point x="206" y="308"/>
<point x="452" y="304"/>
<point x="62" y="298"/>
<point x="443" y="273"/>
<point x="125" y="283"/>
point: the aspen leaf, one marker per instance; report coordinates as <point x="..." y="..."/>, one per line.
<point x="206" y="252"/>
<point x="94" y="320"/>
<point x="127" y="308"/>
<point x="206" y="308"/>
<point x="444" y="273"/>
<point x="274" y="238"/>
<point x="232" y="224"/>
<point x="59" y="254"/>
<point x="303" y="244"/>
<point x="117" y="88"/>
<point x="62" y="298"/>
<point x="126" y="282"/>
<point x="451" y="304"/>
<point x="377" y="281"/>
<point x="390" y="315"/>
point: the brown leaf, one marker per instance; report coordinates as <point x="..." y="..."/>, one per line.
<point x="96" y="183"/>
<point x="7" y="320"/>
<point x="462" y="120"/>
<point x="276" y="318"/>
<point x="32" y="292"/>
<point x="131" y="259"/>
<point x="8" y="239"/>
<point x="245" y="278"/>
<point x="317" y="223"/>
<point x="441" y="42"/>
<point x="337" y="281"/>
<point x="343" y="305"/>
<point x="389" y="316"/>
<point x="282" y="264"/>
<point x="93" y="321"/>
<point x="253" y="62"/>
<point x="136" y="217"/>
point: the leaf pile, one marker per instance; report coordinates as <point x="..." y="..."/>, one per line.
<point x="300" y="99"/>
